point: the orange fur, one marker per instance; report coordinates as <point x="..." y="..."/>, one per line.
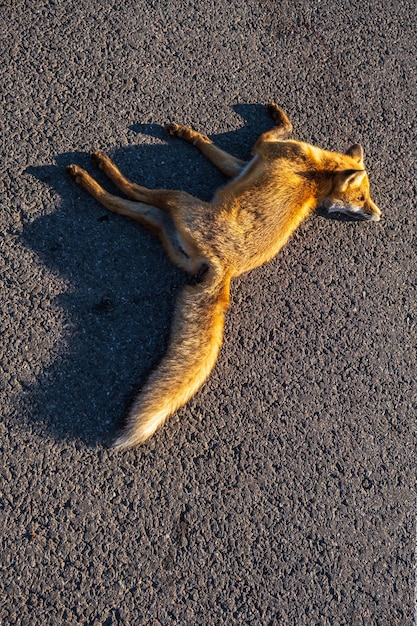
<point x="246" y="224"/>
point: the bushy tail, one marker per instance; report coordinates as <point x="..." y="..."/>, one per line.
<point x="196" y="338"/>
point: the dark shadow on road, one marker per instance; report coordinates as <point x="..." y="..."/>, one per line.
<point x="115" y="311"/>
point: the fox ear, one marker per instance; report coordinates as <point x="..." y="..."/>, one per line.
<point x="350" y="178"/>
<point x="356" y="152"/>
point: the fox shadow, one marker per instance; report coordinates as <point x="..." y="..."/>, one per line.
<point x="115" y="312"/>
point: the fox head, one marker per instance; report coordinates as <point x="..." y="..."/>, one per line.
<point x="350" y="191"/>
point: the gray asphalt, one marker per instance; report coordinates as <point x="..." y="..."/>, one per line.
<point x="283" y="493"/>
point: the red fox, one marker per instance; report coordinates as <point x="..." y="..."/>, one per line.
<point x="246" y="224"/>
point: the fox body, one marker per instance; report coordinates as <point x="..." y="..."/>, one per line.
<point x="246" y="224"/>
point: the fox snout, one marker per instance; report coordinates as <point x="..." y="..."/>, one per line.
<point x="367" y="211"/>
<point x="370" y="213"/>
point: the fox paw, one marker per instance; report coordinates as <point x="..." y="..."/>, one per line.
<point x="188" y="134"/>
<point x="98" y="157"/>
<point x="278" y="115"/>
<point x="179" y="130"/>
<point x="173" y="129"/>
<point x="74" y="172"/>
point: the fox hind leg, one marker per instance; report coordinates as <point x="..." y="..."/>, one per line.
<point x="103" y="162"/>
<point x="156" y="220"/>
<point x="164" y="199"/>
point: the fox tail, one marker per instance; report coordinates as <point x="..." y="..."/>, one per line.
<point x="196" y="338"/>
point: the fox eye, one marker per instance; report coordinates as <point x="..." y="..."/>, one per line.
<point x="361" y="198"/>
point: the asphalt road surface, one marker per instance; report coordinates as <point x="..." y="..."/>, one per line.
<point x="284" y="492"/>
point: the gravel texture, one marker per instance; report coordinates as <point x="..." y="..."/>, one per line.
<point x="283" y="493"/>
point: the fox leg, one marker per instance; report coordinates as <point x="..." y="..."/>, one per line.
<point x="131" y="190"/>
<point x="282" y="129"/>
<point x="154" y="218"/>
<point x="165" y="199"/>
<point x="282" y="122"/>
<point x="225" y="162"/>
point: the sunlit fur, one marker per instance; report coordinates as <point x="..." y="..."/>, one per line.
<point x="246" y="224"/>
